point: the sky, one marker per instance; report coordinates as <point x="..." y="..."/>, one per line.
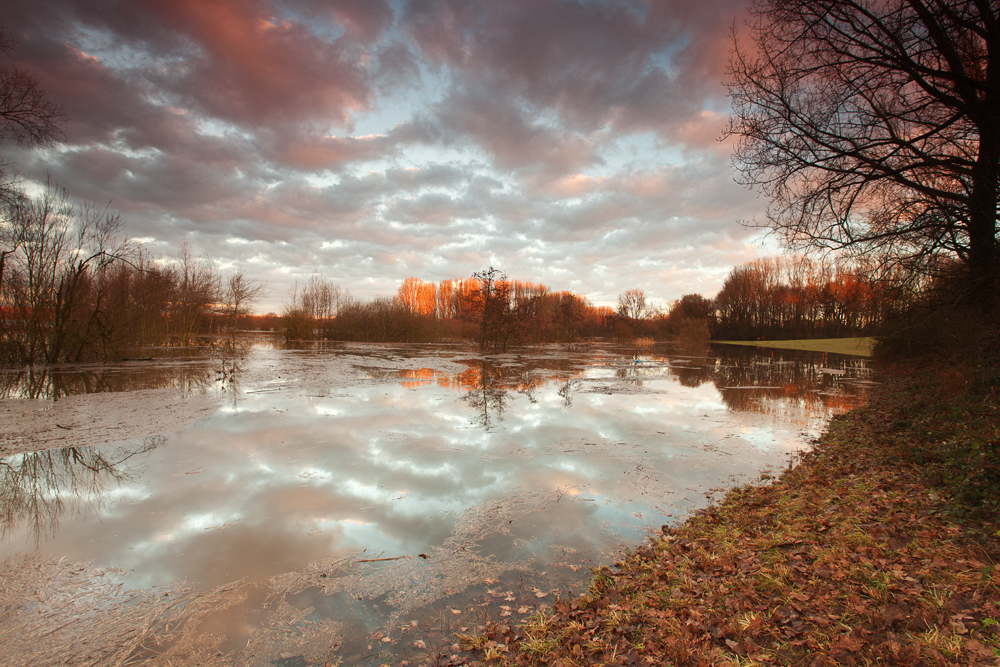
<point x="570" y="142"/>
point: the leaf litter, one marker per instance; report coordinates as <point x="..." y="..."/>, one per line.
<point x="866" y="552"/>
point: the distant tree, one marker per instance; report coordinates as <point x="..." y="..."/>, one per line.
<point x="688" y="319"/>
<point x="632" y="310"/>
<point x="693" y="307"/>
<point x="197" y="290"/>
<point x="445" y="297"/>
<point x="310" y="308"/>
<point x="238" y="299"/>
<point x="874" y="126"/>
<point x="296" y="325"/>
<point x="320" y="297"/>
<point x="408" y="295"/>
<point x="570" y="311"/>
<point x="502" y="314"/>
<point x="492" y="300"/>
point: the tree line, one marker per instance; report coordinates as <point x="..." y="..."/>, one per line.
<point x="784" y="297"/>
<point x="74" y="288"/>
<point x="796" y="297"/>
<point x="487" y="307"/>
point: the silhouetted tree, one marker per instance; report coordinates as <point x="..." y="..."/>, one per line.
<point x="874" y="126"/>
<point x="27" y="117"/>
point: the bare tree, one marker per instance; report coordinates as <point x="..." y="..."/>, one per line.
<point x="874" y="126"/>
<point x="632" y="309"/>
<point x="54" y="277"/>
<point x="27" y="116"/>
<point x="321" y="297"/>
<point x="240" y="295"/>
<point x="408" y="295"/>
<point x="503" y="317"/>
<point x="197" y="290"/>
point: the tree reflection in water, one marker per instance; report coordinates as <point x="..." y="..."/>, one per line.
<point x="490" y="387"/>
<point x="54" y="383"/>
<point x="748" y="380"/>
<point x="38" y="488"/>
<point x="755" y="381"/>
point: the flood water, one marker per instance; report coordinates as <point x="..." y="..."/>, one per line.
<point x="356" y="491"/>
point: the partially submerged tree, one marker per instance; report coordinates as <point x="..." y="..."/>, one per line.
<point x="874" y="126"/>
<point x="56" y="278"/>
<point x="197" y="289"/>
<point x="239" y="297"/>
<point x="502" y="314"/>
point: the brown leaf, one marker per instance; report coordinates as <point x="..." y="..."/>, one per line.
<point x="893" y="614"/>
<point x="846" y="644"/>
<point x="736" y="648"/>
<point x="978" y="649"/>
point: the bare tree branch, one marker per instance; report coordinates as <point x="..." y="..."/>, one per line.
<point x="874" y="126"/>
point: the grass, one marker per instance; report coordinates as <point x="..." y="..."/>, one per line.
<point x="861" y="346"/>
<point x="880" y="547"/>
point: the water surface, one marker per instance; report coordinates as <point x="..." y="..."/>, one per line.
<point x="356" y="489"/>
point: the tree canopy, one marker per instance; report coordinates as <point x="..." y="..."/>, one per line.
<point x="874" y="127"/>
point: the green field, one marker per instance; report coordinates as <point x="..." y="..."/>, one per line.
<point x="861" y="347"/>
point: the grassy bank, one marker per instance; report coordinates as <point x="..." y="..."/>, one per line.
<point x="857" y="346"/>
<point x="880" y="547"/>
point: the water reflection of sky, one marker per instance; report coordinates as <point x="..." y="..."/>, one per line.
<point x="319" y="454"/>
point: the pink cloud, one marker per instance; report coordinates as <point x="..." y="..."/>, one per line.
<point x="312" y="152"/>
<point x="248" y="62"/>
<point x="255" y="69"/>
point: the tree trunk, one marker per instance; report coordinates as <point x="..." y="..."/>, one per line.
<point x="984" y="259"/>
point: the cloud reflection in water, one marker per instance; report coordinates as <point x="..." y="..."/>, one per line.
<point x="393" y="452"/>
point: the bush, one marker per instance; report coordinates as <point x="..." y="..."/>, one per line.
<point x="297" y="324"/>
<point x="381" y="320"/>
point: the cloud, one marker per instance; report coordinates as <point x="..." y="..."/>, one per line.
<point x="568" y="142"/>
<point x="362" y="20"/>
<point x="507" y="132"/>
<point x="254" y="69"/>
<point x="632" y="66"/>
<point x="238" y="62"/>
